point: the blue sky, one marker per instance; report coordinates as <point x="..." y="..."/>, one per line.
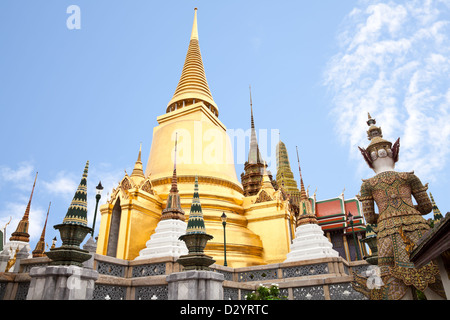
<point x="316" y="68"/>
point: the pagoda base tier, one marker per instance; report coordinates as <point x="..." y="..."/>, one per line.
<point x="67" y="255"/>
<point x="310" y="243"/>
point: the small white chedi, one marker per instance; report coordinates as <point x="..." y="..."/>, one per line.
<point x="164" y="242"/>
<point x="310" y="241"/>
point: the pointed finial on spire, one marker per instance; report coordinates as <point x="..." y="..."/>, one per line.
<point x="40" y="246"/>
<point x="138" y="171"/>
<point x="173" y="208"/>
<point x="302" y="187"/>
<point x="174" y="188"/>
<point x="140" y="150"/>
<point x="175" y="157"/>
<point x="251" y="108"/>
<point x="21" y="233"/>
<point x="194" y="33"/>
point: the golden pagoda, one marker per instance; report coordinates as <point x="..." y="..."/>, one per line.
<point x="258" y="227"/>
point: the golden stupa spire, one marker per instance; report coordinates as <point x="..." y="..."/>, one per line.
<point x="303" y="195"/>
<point x="254" y="156"/>
<point x="21" y="233"/>
<point x="194" y="33"/>
<point x="138" y="170"/>
<point x="40" y="246"/>
<point x="193" y="86"/>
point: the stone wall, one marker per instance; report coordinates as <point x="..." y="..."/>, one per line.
<point x="319" y="279"/>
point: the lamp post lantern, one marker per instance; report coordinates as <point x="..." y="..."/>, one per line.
<point x="224" y="223"/>
<point x="99" y="189"/>
<point x="350" y="219"/>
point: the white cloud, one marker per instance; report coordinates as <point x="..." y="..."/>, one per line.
<point x="21" y="178"/>
<point x="63" y="184"/>
<point x="15" y="212"/>
<point x="394" y="63"/>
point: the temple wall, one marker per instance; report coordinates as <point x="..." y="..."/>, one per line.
<point x="318" y="279"/>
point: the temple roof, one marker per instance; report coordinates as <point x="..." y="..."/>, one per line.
<point x="193" y="84"/>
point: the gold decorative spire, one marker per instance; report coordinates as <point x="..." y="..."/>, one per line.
<point x="21" y="233"/>
<point x="303" y="195"/>
<point x="254" y="156"/>
<point x="138" y="171"/>
<point x="305" y="211"/>
<point x="193" y="86"/>
<point x="40" y="246"/>
<point x="173" y="207"/>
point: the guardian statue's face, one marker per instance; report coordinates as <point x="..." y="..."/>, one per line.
<point x="383" y="163"/>
<point x="382" y="153"/>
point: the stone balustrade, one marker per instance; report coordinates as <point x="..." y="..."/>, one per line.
<point x="318" y="279"/>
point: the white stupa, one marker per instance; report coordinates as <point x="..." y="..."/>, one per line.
<point x="164" y="242"/>
<point x="310" y="241"/>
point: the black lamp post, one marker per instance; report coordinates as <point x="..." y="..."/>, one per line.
<point x="224" y="223"/>
<point x="350" y="219"/>
<point x="99" y="189"/>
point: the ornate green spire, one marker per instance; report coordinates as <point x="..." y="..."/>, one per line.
<point x="196" y="224"/>
<point x="77" y="212"/>
<point x="196" y="238"/>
